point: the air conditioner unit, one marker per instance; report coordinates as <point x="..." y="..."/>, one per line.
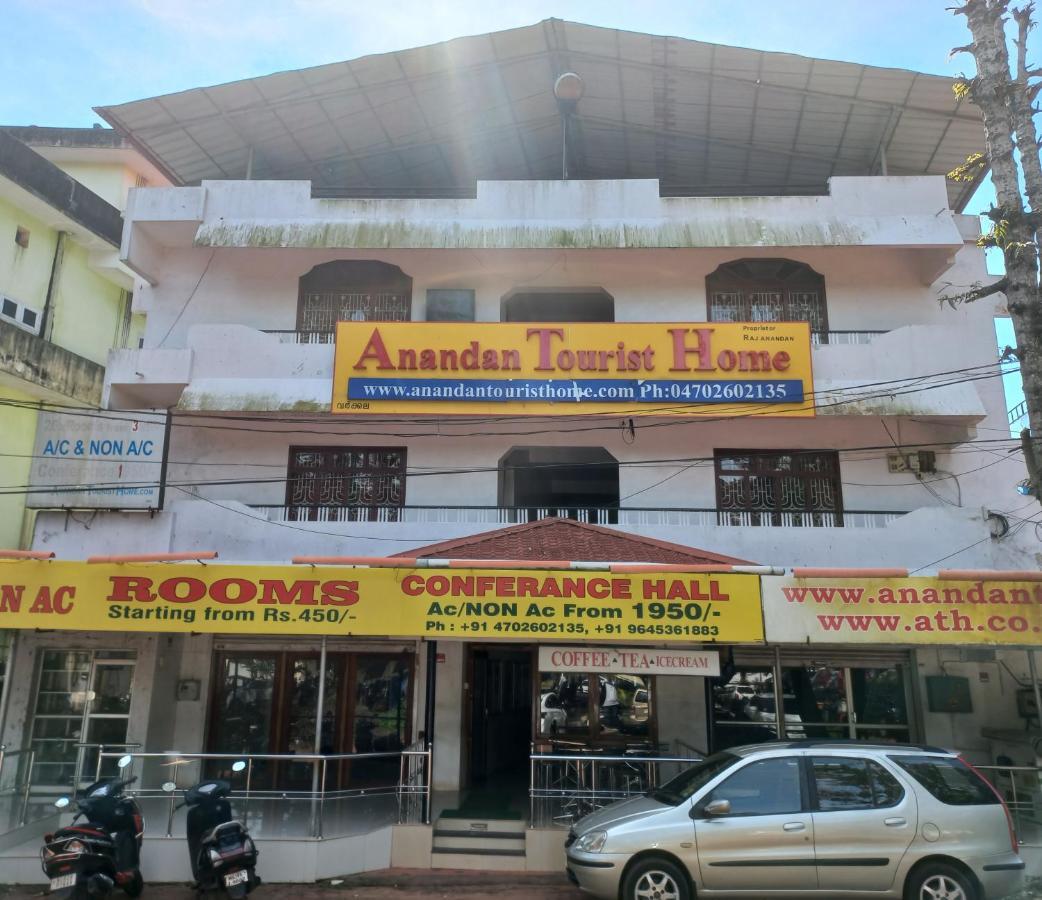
<point x="921" y="462"/>
<point x="25" y="317"/>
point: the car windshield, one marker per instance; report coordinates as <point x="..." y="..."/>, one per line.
<point x="678" y="789"/>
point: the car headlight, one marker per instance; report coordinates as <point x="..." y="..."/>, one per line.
<point x="592" y="841"/>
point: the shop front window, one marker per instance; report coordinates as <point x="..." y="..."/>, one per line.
<point x="817" y="700"/>
<point x="582" y="707"/>
<point x="267" y="703"/>
<point x="744" y="709"/>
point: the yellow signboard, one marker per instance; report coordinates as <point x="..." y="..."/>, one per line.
<point x="902" y="611"/>
<point x="484" y="604"/>
<point x="600" y="368"/>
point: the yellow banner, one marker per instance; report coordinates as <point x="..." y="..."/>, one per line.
<point x="600" y="368"/>
<point x="901" y="611"/>
<point x="480" y="604"/>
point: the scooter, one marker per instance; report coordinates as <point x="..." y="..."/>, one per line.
<point x="220" y="849"/>
<point x="92" y="859"/>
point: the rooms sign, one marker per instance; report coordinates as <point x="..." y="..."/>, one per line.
<point x="603" y="368"/>
<point x="477" y="604"/>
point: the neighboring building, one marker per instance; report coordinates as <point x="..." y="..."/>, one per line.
<point x="422" y="192"/>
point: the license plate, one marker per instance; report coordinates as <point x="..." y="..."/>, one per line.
<point x="63" y="881"/>
<point x="233" y="878"/>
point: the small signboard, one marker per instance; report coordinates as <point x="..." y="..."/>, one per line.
<point x="97" y="460"/>
<point x="632" y="661"/>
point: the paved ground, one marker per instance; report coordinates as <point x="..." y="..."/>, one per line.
<point x="406" y="884"/>
<point x="395" y="884"/>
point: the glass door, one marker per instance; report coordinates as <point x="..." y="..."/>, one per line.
<point x="379" y="715"/>
<point x="300" y="709"/>
<point x="241" y="708"/>
<point x="82" y="700"/>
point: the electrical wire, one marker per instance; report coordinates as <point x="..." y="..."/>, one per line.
<point x="961" y="550"/>
<point x="686" y="463"/>
<point x="767" y="411"/>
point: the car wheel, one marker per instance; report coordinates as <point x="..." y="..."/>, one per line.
<point x="655" y="879"/>
<point x="937" y="881"/>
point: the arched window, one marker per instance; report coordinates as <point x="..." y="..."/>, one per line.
<point x="558" y="305"/>
<point x="769" y="290"/>
<point x="351" y="290"/>
<point x="579" y="483"/>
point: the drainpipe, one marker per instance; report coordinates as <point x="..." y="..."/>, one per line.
<point x="428" y="698"/>
<point x="47" y="318"/>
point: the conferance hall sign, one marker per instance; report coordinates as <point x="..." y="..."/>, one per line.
<point x="606" y="368"/>
<point x="480" y="604"/>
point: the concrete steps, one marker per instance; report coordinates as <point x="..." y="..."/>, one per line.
<point x="495" y="844"/>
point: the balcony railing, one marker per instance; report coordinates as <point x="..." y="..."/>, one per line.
<point x="291" y="336"/>
<point x="843" y="337"/>
<point x="1018" y="413"/>
<point x="597" y="515"/>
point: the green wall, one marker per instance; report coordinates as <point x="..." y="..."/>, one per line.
<point x="86" y="308"/>
<point x="24" y="272"/>
<point x="17" y="435"/>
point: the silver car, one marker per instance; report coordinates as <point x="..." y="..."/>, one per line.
<point x="803" y="818"/>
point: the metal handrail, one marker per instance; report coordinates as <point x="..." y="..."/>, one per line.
<point x="576" y="790"/>
<point x="1019" y="806"/>
<point x="24" y="789"/>
<point x="406" y="787"/>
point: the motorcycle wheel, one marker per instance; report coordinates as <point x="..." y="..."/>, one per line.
<point x="135" y="886"/>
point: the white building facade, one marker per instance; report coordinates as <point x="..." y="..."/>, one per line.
<point x="905" y="469"/>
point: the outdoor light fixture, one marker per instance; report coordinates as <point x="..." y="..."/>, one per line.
<point x="568" y="89"/>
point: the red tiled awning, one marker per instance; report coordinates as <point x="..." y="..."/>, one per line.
<point x="557" y="539"/>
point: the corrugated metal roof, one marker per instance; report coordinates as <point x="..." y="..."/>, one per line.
<point x="703" y="118"/>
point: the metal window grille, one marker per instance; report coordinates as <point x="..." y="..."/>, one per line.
<point x="768" y="290"/>
<point x="778" y="488"/>
<point x="368" y="481"/>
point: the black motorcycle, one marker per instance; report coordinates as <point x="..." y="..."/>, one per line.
<point x="93" y="859"/>
<point x="220" y="849"/>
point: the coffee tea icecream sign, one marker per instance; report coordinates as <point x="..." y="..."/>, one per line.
<point x="603" y="368"/>
<point x="632" y="660"/>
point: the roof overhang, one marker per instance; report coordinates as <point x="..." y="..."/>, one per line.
<point x="703" y="119"/>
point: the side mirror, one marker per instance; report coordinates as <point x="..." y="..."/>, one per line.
<point x="61" y="802"/>
<point x="238" y="765"/>
<point x="169" y="787"/>
<point x="717" y="808"/>
<point x="125" y="761"/>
